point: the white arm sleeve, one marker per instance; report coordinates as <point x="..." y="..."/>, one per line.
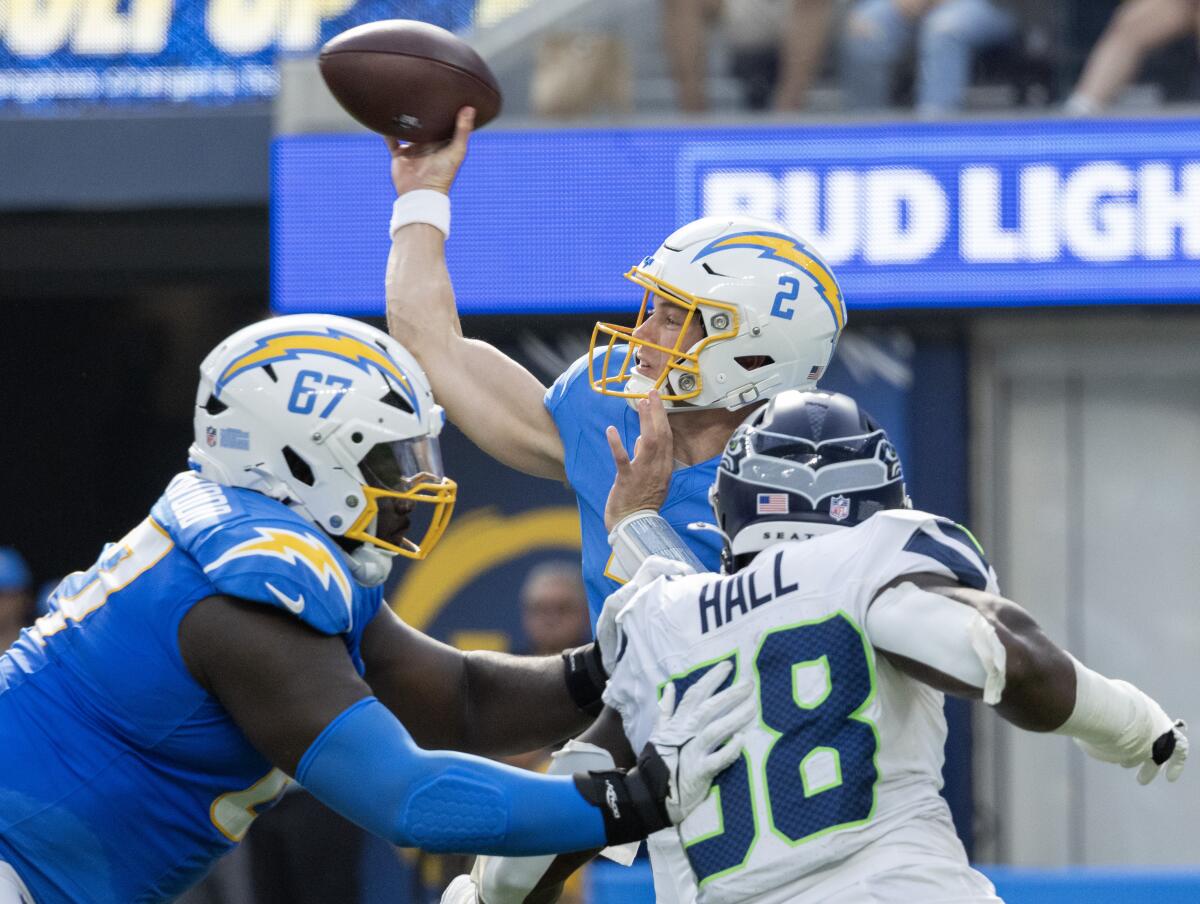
<point x="934" y="630"/>
<point x="1112" y="720"/>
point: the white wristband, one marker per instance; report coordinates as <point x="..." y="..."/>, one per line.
<point x="424" y="205"/>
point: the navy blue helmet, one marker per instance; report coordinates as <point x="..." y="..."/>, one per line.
<point x="806" y="463"/>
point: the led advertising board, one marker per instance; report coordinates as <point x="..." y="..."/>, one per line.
<point x="911" y="215"/>
<point x="55" y="53"/>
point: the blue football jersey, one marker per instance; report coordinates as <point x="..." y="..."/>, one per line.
<point x="582" y="416"/>
<point x="121" y="778"/>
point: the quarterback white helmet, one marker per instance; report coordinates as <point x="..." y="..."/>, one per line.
<point x="328" y="415"/>
<point x="771" y="311"/>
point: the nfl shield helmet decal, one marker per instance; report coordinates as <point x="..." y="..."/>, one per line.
<point x="839" y="508"/>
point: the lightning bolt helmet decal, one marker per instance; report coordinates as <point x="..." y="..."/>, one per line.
<point x="332" y="343"/>
<point x="335" y="419"/>
<point x="751" y="311"/>
<point x="780" y="247"/>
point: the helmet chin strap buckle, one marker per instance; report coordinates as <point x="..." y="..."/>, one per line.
<point x="744" y="397"/>
<point x="371" y="565"/>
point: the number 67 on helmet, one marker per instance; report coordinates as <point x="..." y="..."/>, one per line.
<point x="332" y="418"/>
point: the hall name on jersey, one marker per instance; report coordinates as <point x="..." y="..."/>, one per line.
<point x="722" y="601"/>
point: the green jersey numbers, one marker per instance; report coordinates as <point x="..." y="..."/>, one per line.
<point x="814" y="681"/>
<point x="727" y="848"/>
<point x="818" y="773"/>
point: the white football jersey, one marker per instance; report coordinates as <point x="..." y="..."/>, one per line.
<point x="836" y="796"/>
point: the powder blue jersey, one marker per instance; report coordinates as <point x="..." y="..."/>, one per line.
<point x="121" y="778"/>
<point x="582" y="416"/>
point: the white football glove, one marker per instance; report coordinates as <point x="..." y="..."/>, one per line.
<point x="1116" y="722"/>
<point x="608" y="632"/>
<point x="461" y="891"/>
<point x="701" y="737"/>
<point x="1170" y="749"/>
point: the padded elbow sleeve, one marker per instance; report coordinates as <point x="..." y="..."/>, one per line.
<point x="362" y="766"/>
<point x="366" y="766"/>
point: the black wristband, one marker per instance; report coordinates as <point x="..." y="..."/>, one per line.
<point x="632" y="803"/>
<point x="585" y="677"/>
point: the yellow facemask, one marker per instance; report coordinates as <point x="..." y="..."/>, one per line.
<point x="683" y="363"/>
<point x="439" y="492"/>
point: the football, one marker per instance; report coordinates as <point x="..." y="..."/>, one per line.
<point x="408" y="79"/>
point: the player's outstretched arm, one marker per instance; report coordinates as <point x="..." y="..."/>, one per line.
<point x="975" y="644"/>
<point x="477" y="702"/>
<point x="295" y="695"/>
<point x="495" y="401"/>
<point x="509" y="880"/>
<point x="539" y="880"/>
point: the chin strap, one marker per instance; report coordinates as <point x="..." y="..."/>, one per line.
<point x="726" y="543"/>
<point x="371" y="565"/>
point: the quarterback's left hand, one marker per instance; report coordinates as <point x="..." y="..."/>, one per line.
<point x="641" y="483"/>
<point x="1170" y="749"/>
<point x="461" y="891"/>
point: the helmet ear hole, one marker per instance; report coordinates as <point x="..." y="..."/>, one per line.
<point x="754" y="362"/>
<point x="298" y="466"/>
<point x="214" y="406"/>
<point x="396" y="400"/>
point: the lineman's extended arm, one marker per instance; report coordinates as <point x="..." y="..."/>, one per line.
<point x="975" y="644"/>
<point x="523" y="880"/>
<point x="510" y="880"/>
<point x="294" y="693"/>
<point x="495" y="401"/>
<point x="479" y="702"/>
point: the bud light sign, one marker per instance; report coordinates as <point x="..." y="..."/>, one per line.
<point x="908" y="215"/>
<point x="1046" y="213"/>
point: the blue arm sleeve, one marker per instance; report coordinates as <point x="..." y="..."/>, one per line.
<point x="366" y="766"/>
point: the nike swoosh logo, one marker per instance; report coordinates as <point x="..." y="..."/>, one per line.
<point x="293" y="605"/>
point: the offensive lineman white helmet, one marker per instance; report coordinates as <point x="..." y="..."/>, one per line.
<point x="328" y="415"/>
<point x="771" y="309"/>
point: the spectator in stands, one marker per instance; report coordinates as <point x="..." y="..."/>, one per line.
<point x="1136" y="29"/>
<point x="554" y="610"/>
<point x="777" y="45"/>
<point x="16" y="596"/>
<point x="948" y="33"/>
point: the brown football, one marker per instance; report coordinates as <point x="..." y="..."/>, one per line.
<point x="408" y="79"/>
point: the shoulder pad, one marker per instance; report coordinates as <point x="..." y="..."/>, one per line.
<point x="929" y="541"/>
<point x="260" y="550"/>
